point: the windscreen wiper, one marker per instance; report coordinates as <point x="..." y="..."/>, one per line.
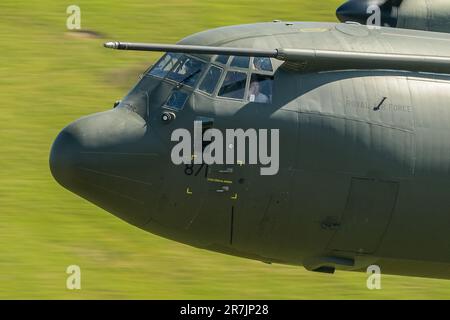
<point x="189" y="77"/>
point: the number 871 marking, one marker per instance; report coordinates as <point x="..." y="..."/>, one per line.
<point x="189" y="170"/>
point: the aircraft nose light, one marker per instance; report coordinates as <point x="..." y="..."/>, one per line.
<point x="168" y="116"/>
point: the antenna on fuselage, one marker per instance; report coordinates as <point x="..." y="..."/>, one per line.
<point x="178" y="48"/>
<point x="310" y="59"/>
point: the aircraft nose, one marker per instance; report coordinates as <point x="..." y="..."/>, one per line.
<point x="105" y="158"/>
<point x="91" y="142"/>
<point x="65" y="157"/>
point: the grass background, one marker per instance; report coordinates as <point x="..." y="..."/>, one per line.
<point x="48" y="78"/>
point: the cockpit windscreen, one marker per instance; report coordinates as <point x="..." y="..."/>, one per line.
<point x="165" y="64"/>
<point x="187" y="71"/>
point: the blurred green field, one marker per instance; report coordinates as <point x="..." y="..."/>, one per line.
<point x="48" y="78"/>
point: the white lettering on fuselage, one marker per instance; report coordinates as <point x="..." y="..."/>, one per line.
<point x="229" y="150"/>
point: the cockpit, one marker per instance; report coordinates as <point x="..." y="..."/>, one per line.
<point x="238" y="78"/>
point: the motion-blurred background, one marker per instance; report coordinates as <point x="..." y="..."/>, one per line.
<point x="50" y="77"/>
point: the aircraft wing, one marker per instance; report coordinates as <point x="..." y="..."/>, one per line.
<point x="310" y="59"/>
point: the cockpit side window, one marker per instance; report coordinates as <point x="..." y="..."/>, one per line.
<point x="222" y="59"/>
<point x="240" y="62"/>
<point x="187" y="71"/>
<point x="261" y="87"/>
<point x="177" y="100"/>
<point x="262" y="64"/>
<point x="234" y="85"/>
<point x="242" y="78"/>
<point x="211" y="79"/>
<point x="165" y="64"/>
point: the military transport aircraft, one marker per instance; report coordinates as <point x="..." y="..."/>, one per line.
<point x="364" y="147"/>
<point x="429" y="15"/>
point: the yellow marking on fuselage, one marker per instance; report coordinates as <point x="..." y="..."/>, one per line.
<point x="220" y="181"/>
<point x="314" y="30"/>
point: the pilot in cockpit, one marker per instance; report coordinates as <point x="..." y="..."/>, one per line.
<point x="255" y="94"/>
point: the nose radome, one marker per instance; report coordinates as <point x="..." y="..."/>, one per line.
<point x="78" y="145"/>
<point x="105" y="159"/>
<point x="64" y="158"/>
